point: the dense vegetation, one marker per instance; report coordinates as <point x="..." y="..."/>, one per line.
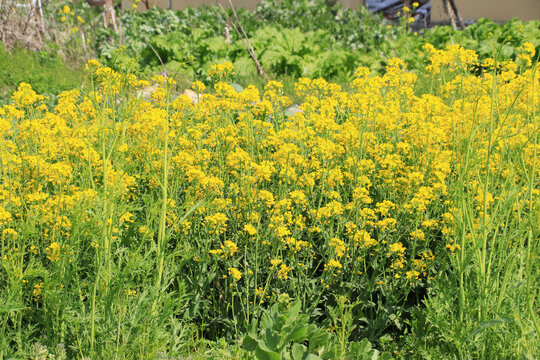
<point x="394" y="214"/>
<point x="297" y="38"/>
<point x="48" y="73"/>
<point x="291" y="39"/>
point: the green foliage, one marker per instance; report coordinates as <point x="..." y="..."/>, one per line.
<point x="292" y="38"/>
<point x="485" y="37"/>
<point x="331" y="42"/>
<point x="482" y="306"/>
<point x="110" y="301"/>
<point x="286" y="333"/>
<point x="48" y="73"/>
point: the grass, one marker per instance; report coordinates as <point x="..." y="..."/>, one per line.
<point x="49" y="74"/>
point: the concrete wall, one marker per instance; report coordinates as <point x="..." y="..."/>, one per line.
<point x="499" y="10"/>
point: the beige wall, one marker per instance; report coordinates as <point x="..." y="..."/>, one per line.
<point x="494" y="9"/>
<point x="500" y="10"/>
<point x="180" y="4"/>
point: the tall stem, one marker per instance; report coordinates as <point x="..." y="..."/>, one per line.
<point x="164" y="194"/>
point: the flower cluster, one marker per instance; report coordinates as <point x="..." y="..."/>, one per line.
<point x="353" y="190"/>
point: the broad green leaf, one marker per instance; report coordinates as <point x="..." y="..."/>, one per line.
<point x="293" y="312"/>
<point x="238" y="88"/>
<point x="249" y="343"/>
<point x="318" y="338"/>
<point x="299" y="333"/>
<point x="262" y="354"/>
<point x="272" y="339"/>
<point x="298" y="351"/>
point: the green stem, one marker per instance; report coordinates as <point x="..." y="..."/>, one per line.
<point x="164" y="194"/>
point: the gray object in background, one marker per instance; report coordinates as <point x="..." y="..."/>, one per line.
<point x="391" y="8"/>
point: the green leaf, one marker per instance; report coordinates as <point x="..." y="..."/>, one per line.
<point x="487" y="324"/>
<point x="253" y="328"/>
<point x="385" y="356"/>
<point x="217" y="45"/>
<point x="249" y="343"/>
<point x="299" y="333"/>
<point x="293" y="312"/>
<point x="318" y="338"/>
<point x="272" y="339"/>
<point x="362" y="348"/>
<point x="266" y="321"/>
<point x="298" y="351"/>
<point x="263" y="354"/>
<point x="237" y="87"/>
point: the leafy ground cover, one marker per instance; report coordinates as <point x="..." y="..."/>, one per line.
<point x="291" y="39"/>
<point x="395" y="219"/>
<point x="49" y="74"/>
<point x="298" y="38"/>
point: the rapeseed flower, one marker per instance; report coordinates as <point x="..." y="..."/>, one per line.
<point x="358" y="184"/>
<point x="235" y="274"/>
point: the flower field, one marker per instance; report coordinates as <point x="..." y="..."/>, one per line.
<point x="396" y="216"/>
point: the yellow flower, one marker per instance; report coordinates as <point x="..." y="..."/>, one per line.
<point x="364" y="239"/>
<point x="250" y="229"/>
<point x="275" y="262"/>
<point x="229" y="248"/>
<point x="25" y="96"/>
<point x="123" y="148"/>
<point x="338" y="246"/>
<point x="126" y="217"/>
<point x="221" y="70"/>
<point x="33" y="250"/>
<point x="217" y="223"/>
<point x="235" y="273"/>
<point x="266" y="197"/>
<point x="38" y="289"/>
<point x="418" y="234"/>
<point x="397" y="248"/>
<point x="92" y="65"/>
<point x="143" y="229"/>
<point x="53" y="251"/>
<point x="198" y="86"/>
<point x="333" y="264"/>
<point x="528" y="47"/>
<point x="283" y="272"/>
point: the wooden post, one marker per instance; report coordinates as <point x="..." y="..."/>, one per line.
<point x="451" y="11"/>
<point x="38" y="10"/>
<point x="110" y="15"/>
<point x="459" y="20"/>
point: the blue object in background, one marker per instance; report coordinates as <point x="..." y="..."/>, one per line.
<point x="391" y="8"/>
